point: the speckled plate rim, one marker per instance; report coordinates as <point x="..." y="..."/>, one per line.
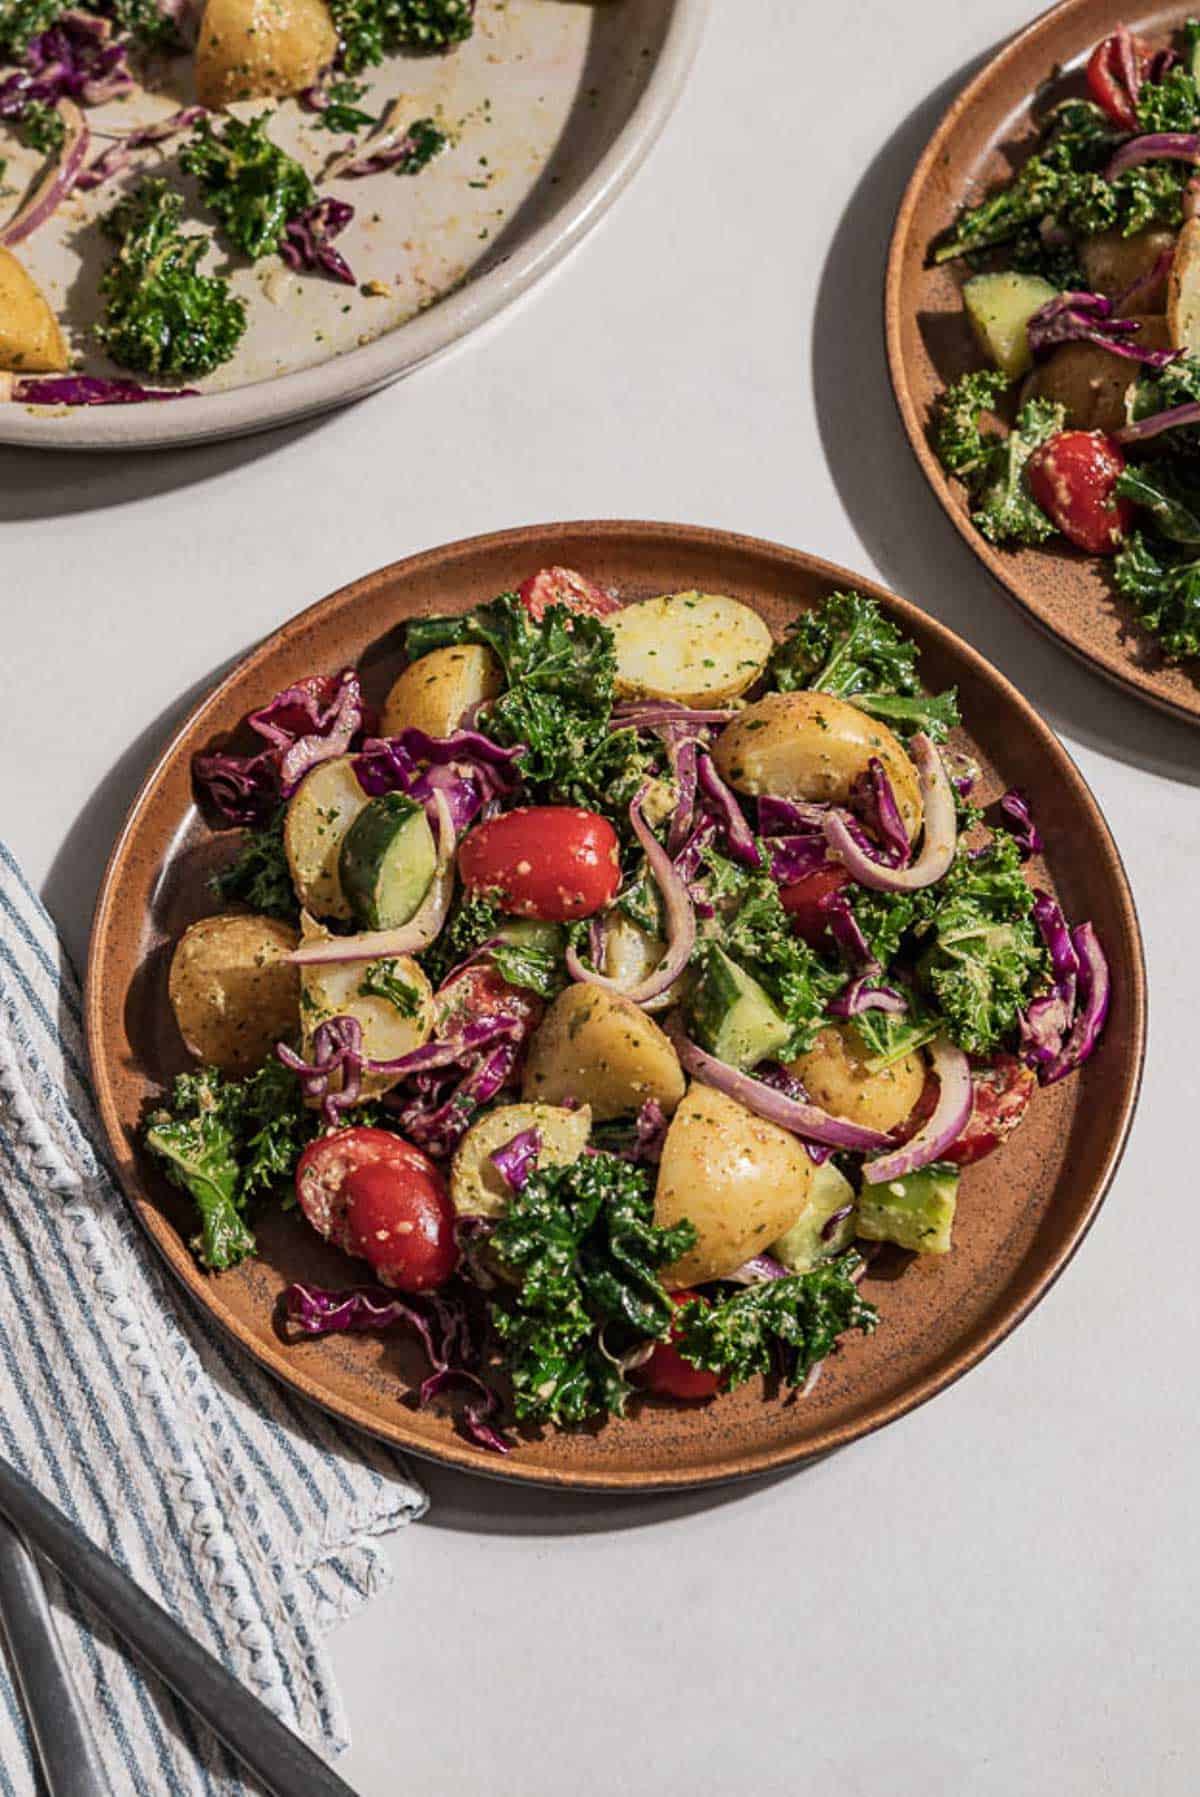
<point x="288" y="398"/>
<point x="1140" y="685"/>
<point x="542" y="539"/>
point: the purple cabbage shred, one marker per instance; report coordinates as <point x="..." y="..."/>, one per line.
<point x="308" y="239"/>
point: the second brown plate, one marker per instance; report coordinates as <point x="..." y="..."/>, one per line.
<point x="930" y="344"/>
<point x="1022" y="1213"/>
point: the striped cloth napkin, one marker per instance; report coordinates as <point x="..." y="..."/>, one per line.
<point x="252" y="1518"/>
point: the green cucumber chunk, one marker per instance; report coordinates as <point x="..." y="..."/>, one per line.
<point x="387" y="861"/>
<point x="999" y="307"/>
<point x="805" y="1244"/>
<point x="733" y="1017"/>
<point x="914" y="1212"/>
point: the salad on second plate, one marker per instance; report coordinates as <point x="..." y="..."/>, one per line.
<point x="613" y="993"/>
<point x="1083" y="288"/>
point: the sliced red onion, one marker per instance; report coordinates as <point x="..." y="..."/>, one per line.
<point x="56" y="184"/>
<point x="518" y="1158"/>
<point x="774" y="1106"/>
<point x="679" y="917"/>
<point x="940" y="837"/>
<point x="756" y="1271"/>
<point x="1171" y="420"/>
<point x="119" y="155"/>
<point x="683" y="819"/>
<point x="1155" y="146"/>
<point x="409" y="938"/>
<point x="652" y="714"/>
<point x="829" y="1227"/>
<point x="862" y="995"/>
<point x="739" y="837"/>
<point x="1089" y="318"/>
<point x="1095" y="992"/>
<point x="773" y="1074"/>
<point x="945" y="1125"/>
<point x="1015" y="806"/>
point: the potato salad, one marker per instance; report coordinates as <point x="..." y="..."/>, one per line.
<point x="611" y="991"/>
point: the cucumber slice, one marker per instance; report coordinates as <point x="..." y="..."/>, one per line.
<point x="804" y="1245"/>
<point x="1000" y="307"/>
<point x="733" y="1017"/>
<point x="914" y="1212"/>
<point x="387" y="861"/>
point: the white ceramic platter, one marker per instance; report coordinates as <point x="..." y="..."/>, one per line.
<point x="550" y="106"/>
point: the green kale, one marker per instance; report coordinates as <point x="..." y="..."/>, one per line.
<point x="473" y="919"/>
<point x="982" y="959"/>
<point x="339" y="112"/>
<point x="533" y="967"/>
<point x="1161" y="390"/>
<point x="527" y="955"/>
<point x="991" y="464"/>
<point x="42" y="127"/>
<point x="226" y="1141"/>
<point x="161" y="317"/>
<point x="380" y="980"/>
<point x="147" y="21"/>
<point x="1172" y="104"/>
<point x="582" y="1241"/>
<point x="793" y="1323"/>
<point x="888" y="1037"/>
<point x="847" y="646"/>
<point x="425" y="140"/>
<point x="886" y="919"/>
<point x="1170" y="492"/>
<point x="251" y="185"/>
<point x="23" y="20"/>
<point x="260" y="876"/>
<point x="753" y="928"/>
<point x="1166" y="591"/>
<point x="368" y="30"/>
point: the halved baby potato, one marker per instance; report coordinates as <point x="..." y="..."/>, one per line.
<point x="477" y="1187"/>
<point x="1091" y="382"/>
<point x="319" y="815"/>
<point x="434" y="693"/>
<point x="1113" y="262"/>
<point x="232" y="989"/>
<point x="835" y="1075"/>
<point x="813" y="746"/>
<point x="1183" y="290"/>
<point x="742" y="1182"/>
<point x="260" y="49"/>
<point x="30" y="340"/>
<point x="389" y="1030"/>
<point x="602" y="1051"/>
<point x="696" y="648"/>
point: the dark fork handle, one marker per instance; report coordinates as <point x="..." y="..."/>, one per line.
<point x="279" y="1759"/>
<point x="64" y="1745"/>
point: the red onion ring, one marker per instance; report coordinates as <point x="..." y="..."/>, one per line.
<point x="1154" y="426"/>
<point x="680" y="919"/>
<point x="1155" y="146"/>
<point x="56" y="184"/>
<point x="940" y="839"/>
<point x="806" y="1120"/>
<point x="947" y="1123"/>
<point x="409" y="938"/>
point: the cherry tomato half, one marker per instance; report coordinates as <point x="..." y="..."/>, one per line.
<point x="562" y="586"/>
<point x="1001" y="1088"/>
<point x="343" y="1182"/>
<point x="1108" y="74"/>
<point x="402" y="1221"/>
<point x="546" y="861"/>
<point x="1072" y="478"/>
<point x="669" y="1374"/>
<point x="480" y="991"/>
<point x="802" y="901"/>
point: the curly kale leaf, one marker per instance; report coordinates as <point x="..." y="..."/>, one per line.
<point x="340" y="113"/>
<point x="1172" y="104"/>
<point x="369" y="30"/>
<point x="260" y="876"/>
<point x="1170" y="492"/>
<point x="888" y="1038"/>
<point x="991" y="464"/>
<point x="983" y="960"/>
<point x="23" y="20"/>
<point x="1166" y="591"/>
<point x="251" y="185"/>
<point x="380" y="980"/>
<point x="848" y="646"/>
<point x="781" y="1324"/>
<point x="527" y="955"/>
<point x="162" y="317"/>
<point x="1161" y="390"/>
<point x="42" y="127"/>
<point x="583" y="1243"/>
<point x="226" y="1141"/>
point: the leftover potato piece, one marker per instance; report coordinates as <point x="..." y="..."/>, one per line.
<point x="477" y="1187"/>
<point x="1091" y="382"/>
<point x="1112" y="263"/>
<point x="233" y="992"/>
<point x="319" y="815"/>
<point x="434" y="693"/>
<point x="1183" y="291"/>
<point x="260" y="49"/>
<point x="602" y="1051"/>
<point x="836" y="1077"/>
<point x="30" y="340"/>
<point x="696" y="648"/>
<point x="389" y="1029"/>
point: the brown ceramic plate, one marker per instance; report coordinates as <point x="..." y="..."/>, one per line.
<point x="1022" y="1213"/>
<point x="930" y="344"/>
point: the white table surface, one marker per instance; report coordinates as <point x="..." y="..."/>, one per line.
<point x="997" y="1595"/>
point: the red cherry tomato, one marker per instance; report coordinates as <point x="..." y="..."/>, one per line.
<point x="399" y="1218"/>
<point x="562" y="586"/>
<point x="547" y="861"/>
<point x="1108" y="75"/>
<point x="669" y="1374"/>
<point x="326" y="1171"/>
<point x="802" y="901"/>
<point x="479" y="991"/>
<point x="1072" y="478"/>
<point x="1001" y="1088"/>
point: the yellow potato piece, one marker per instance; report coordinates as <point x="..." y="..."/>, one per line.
<point x="1092" y="383"/>
<point x="696" y="648"/>
<point x="30" y="340"/>
<point x="834" y="1074"/>
<point x="602" y="1051"/>
<point x="334" y="989"/>
<point x="1183" y="290"/>
<point x="233" y="993"/>
<point x="742" y="1182"/>
<point x="1112" y="263"/>
<point x="433" y="694"/>
<point x="477" y="1187"/>
<point x="319" y="814"/>
<point x="813" y="746"/>
<point x="257" y="49"/>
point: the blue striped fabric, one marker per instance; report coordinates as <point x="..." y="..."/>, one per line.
<point x="252" y="1517"/>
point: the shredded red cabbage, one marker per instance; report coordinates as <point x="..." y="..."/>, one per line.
<point x="73" y="60"/>
<point x="1060" y="1030"/>
<point x="1019" y="821"/>
<point x="1089" y="318"/>
<point x="730" y="819"/>
<point x="308" y="239"/>
<point x="468" y="767"/>
<point x="875" y="801"/>
<point x="795" y="857"/>
<point x="313" y="721"/>
<point x="119" y="155"/>
<point x="90" y="390"/>
<point x="518" y="1158"/>
<point x="782" y="817"/>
